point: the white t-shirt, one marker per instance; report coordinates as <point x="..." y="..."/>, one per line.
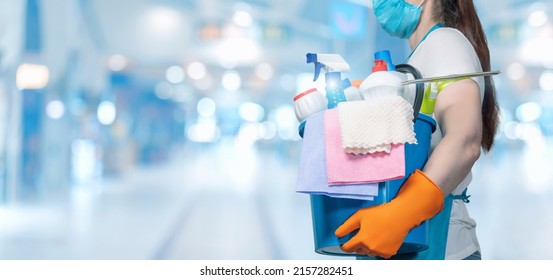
<point x="447" y="51"/>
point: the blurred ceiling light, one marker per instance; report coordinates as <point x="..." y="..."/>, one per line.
<point x="537" y="51"/>
<point x="55" y="109"/>
<point x="162" y="20"/>
<point x="206" y="107"/>
<point x="203" y="132"/>
<point x="251" y="112"/>
<point x="284" y="117"/>
<point x="247" y="135"/>
<point x="164" y="90"/>
<point x="106" y="112"/>
<point x="533" y="135"/>
<point x="84" y="165"/>
<point x="182" y="93"/>
<point x="117" y="62"/>
<point x="174" y="74"/>
<point x="231" y="81"/>
<point x="267" y="130"/>
<point x="238" y="51"/>
<point x="287" y="124"/>
<point x="529" y="112"/>
<point x="242" y="19"/>
<point x="537" y="18"/>
<point x="32" y="76"/>
<point x="264" y="71"/>
<point x="516" y="71"/>
<point x="513" y="130"/>
<point x="204" y="84"/>
<point x="546" y="81"/>
<point x="196" y="70"/>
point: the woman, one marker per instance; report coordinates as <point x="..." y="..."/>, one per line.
<point x="446" y="38"/>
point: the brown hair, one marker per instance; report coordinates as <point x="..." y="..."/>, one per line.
<point x="462" y="15"/>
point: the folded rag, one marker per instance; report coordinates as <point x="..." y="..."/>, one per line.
<point x="345" y="168"/>
<point x="312" y="178"/>
<point x="375" y="125"/>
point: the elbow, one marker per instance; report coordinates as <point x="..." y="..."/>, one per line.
<point x="473" y="152"/>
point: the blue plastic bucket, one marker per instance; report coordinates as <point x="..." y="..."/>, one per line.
<point x="329" y="213"/>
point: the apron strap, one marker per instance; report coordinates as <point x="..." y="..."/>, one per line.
<point x="463" y="196"/>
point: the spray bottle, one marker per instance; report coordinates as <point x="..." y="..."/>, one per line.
<point x="334" y="65"/>
<point x="431" y="94"/>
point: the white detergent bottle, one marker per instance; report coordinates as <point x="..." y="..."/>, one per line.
<point x="381" y="82"/>
<point x="308" y="103"/>
<point x="387" y="57"/>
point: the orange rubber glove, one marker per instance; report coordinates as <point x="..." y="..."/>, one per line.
<point x="383" y="228"/>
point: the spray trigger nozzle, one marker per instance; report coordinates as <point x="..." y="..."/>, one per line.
<point x="312" y="58"/>
<point x="330" y="62"/>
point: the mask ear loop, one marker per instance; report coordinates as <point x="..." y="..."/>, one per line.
<point x="421" y="3"/>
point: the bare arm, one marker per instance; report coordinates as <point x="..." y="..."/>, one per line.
<point x="458" y="112"/>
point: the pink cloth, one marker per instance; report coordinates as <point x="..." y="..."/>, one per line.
<point x="348" y="169"/>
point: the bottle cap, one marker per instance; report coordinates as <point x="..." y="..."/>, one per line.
<point x="380" y="65"/>
<point x="385" y="55"/>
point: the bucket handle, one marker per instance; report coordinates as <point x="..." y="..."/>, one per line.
<point x="419" y="93"/>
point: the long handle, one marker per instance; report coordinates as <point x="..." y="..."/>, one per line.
<point x="419" y="93"/>
<point x="450" y="77"/>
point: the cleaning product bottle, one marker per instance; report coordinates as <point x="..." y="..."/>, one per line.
<point x="429" y="99"/>
<point x="334" y="65"/>
<point x="380" y="82"/>
<point x="386" y="56"/>
<point x="308" y="103"/>
<point x="351" y="90"/>
<point x="431" y="94"/>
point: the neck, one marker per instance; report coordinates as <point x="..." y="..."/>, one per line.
<point x="426" y="22"/>
<point x="420" y="32"/>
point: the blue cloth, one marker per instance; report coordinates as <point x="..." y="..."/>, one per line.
<point x="312" y="178"/>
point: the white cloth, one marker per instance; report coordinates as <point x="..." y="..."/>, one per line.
<point x="447" y="51"/>
<point x="374" y="125"/>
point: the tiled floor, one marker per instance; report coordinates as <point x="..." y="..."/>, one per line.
<point x="226" y="203"/>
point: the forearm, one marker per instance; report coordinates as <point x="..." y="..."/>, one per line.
<point x="451" y="161"/>
<point x="458" y="112"/>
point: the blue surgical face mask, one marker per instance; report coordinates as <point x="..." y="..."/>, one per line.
<point x="397" y="17"/>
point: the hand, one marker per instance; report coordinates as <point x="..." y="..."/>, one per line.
<point x="379" y="234"/>
<point x="383" y="228"/>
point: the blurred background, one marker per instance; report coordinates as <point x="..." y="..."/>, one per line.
<point x="164" y="129"/>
